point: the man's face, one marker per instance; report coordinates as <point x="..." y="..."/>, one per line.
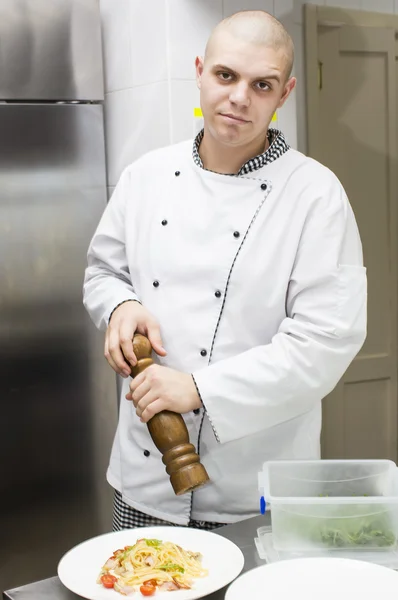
<point x="241" y="86"/>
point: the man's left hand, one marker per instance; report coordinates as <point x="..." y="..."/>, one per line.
<point x="160" y="388"/>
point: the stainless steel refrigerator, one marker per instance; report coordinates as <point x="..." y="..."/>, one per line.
<point x="57" y="397"/>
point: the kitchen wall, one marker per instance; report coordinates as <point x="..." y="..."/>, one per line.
<point x="149" y="52"/>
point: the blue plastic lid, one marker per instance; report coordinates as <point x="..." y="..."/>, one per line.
<point x="263" y="505"/>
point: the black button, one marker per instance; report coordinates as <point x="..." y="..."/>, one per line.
<point x="156" y="283"/>
<point x="177" y="173"/>
<point x="217" y="294"/>
<point x="203" y="352"/>
<point x="196" y="411"/>
<point x="164" y="222"/>
<point x="236" y="234"/>
<point x="146" y="453"/>
<point x="263" y="186"/>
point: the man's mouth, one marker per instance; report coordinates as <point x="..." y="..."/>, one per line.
<point x="235" y="118"/>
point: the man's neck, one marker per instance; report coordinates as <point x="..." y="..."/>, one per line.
<point x="228" y="159"/>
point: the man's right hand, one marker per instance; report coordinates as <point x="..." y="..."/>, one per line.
<point x="130" y="318"/>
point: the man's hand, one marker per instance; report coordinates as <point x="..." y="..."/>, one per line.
<point x="130" y="318"/>
<point x="160" y="388"/>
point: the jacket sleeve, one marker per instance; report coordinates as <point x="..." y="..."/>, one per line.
<point x="324" y="328"/>
<point x="107" y="281"/>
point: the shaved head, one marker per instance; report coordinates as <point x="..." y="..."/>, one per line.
<point x="255" y="27"/>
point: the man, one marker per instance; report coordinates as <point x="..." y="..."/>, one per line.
<point x="241" y="261"/>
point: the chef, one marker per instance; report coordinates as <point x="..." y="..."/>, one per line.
<point x="240" y="259"/>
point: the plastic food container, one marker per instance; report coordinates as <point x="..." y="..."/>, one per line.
<point x="331" y="504"/>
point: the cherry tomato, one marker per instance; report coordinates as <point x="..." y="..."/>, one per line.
<point x="147" y="590"/>
<point x="151" y="582"/>
<point x="108" y="581"/>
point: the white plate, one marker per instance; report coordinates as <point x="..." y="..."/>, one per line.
<point x="316" y="579"/>
<point x="79" y="568"/>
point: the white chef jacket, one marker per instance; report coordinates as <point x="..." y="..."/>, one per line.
<point x="282" y="247"/>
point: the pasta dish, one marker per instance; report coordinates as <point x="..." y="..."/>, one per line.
<point x="151" y="565"/>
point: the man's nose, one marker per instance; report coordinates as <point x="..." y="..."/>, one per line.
<point x="240" y="95"/>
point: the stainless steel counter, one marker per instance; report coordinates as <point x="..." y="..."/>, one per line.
<point x="242" y="534"/>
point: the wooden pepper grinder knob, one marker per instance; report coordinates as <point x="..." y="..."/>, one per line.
<point x="170" y="435"/>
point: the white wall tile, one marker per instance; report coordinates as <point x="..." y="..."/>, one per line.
<point x="190" y="24"/>
<point x="147" y="29"/>
<point x="386" y="6"/>
<point x="233" y="6"/>
<point x="184" y="98"/>
<point x="396" y="6"/>
<point x="355" y="4"/>
<point x="116" y="35"/>
<point x="137" y="120"/>
<point x="283" y="9"/>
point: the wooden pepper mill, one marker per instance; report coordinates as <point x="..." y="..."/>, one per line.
<point x="170" y="435"/>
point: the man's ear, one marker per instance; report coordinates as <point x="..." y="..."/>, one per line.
<point x="289" y="87"/>
<point x="199" y="62"/>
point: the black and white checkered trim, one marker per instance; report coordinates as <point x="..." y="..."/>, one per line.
<point x="126" y="517"/>
<point x="277" y="147"/>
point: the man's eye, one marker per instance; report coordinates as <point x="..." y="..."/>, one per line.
<point x="262" y="85"/>
<point x="225" y="76"/>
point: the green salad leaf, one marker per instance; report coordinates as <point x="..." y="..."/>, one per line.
<point x="171" y="567"/>
<point x="153" y="543"/>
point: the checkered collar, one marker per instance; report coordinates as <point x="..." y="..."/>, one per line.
<point x="277" y="147"/>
